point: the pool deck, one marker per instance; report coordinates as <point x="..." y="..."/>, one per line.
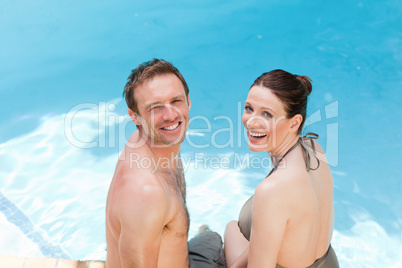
<point x="23" y="262"/>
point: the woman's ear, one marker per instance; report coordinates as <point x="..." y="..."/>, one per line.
<point x="134" y="117"/>
<point x="295" y="122"/>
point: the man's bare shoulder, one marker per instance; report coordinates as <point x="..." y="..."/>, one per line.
<point x="136" y="181"/>
<point x="138" y="184"/>
<point x="138" y="200"/>
<point x="136" y="166"/>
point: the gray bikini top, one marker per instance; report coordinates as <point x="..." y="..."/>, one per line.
<point x="245" y="213"/>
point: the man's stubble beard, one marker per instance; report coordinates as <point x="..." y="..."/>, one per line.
<point x="158" y="141"/>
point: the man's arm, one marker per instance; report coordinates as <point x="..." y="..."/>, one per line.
<point x="142" y="211"/>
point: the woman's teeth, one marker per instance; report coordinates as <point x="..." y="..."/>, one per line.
<point x="257" y="135"/>
<point x="171" y="127"/>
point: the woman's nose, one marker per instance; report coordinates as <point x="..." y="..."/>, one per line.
<point x="254" y="122"/>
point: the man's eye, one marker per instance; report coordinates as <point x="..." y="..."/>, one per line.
<point x="156" y="107"/>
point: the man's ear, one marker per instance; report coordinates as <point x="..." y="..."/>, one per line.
<point x="134" y="117"/>
<point x="295" y="122"/>
<point x="188" y="101"/>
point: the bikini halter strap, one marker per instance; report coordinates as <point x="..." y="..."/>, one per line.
<point x="308" y="137"/>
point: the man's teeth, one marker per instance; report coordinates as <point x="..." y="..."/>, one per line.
<point x="257" y="134"/>
<point x="172" y="127"/>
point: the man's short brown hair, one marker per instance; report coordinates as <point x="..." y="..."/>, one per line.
<point x="145" y="72"/>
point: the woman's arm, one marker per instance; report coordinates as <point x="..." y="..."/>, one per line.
<point x="235" y="245"/>
<point x="269" y="217"/>
<point x="241" y="262"/>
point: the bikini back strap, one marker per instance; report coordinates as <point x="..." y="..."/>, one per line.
<point x="309" y="137"/>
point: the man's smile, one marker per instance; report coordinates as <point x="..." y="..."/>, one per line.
<point x="172" y="127"/>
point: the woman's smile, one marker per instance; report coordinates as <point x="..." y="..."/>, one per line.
<point x="255" y="137"/>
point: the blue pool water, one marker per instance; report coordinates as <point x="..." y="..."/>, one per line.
<point x="63" y="68"/>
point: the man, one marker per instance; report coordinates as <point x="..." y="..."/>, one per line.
<point x="146" y="216"/>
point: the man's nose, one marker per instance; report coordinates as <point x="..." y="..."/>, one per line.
<point x="170" y="113"/>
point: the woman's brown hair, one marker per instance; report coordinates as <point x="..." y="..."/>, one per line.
<point x="292" y="90"/>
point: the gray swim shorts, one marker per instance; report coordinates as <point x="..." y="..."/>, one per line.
<point x="205" y="251"/>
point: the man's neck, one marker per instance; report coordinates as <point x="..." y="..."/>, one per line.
<point x="164" y="151"/>
<point x="161" y="152"/>
<point x="165" y="155"/>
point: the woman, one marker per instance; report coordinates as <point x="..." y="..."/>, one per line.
<point x="289" y="220"/>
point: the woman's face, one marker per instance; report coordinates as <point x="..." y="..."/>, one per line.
<point x="265" y="120"/>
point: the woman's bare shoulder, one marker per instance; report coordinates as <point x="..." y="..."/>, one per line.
<point x="286" y="188"/>
<point x="274" y="188"/>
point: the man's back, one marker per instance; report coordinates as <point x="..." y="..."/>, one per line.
<point x="146" y="217"/>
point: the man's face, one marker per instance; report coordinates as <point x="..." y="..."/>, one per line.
<point x="163" y="110"/>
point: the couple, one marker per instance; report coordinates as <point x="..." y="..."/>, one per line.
<point x="288" y="222"/>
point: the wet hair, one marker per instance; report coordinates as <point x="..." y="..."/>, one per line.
<point x="145" y="72"/>
<point x="291" y="89"/>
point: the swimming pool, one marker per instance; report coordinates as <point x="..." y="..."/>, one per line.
<point x="63" y="69"/>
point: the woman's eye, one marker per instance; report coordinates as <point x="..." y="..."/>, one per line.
<point x="248" y="108"/>
<point x="267" y="114"/>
